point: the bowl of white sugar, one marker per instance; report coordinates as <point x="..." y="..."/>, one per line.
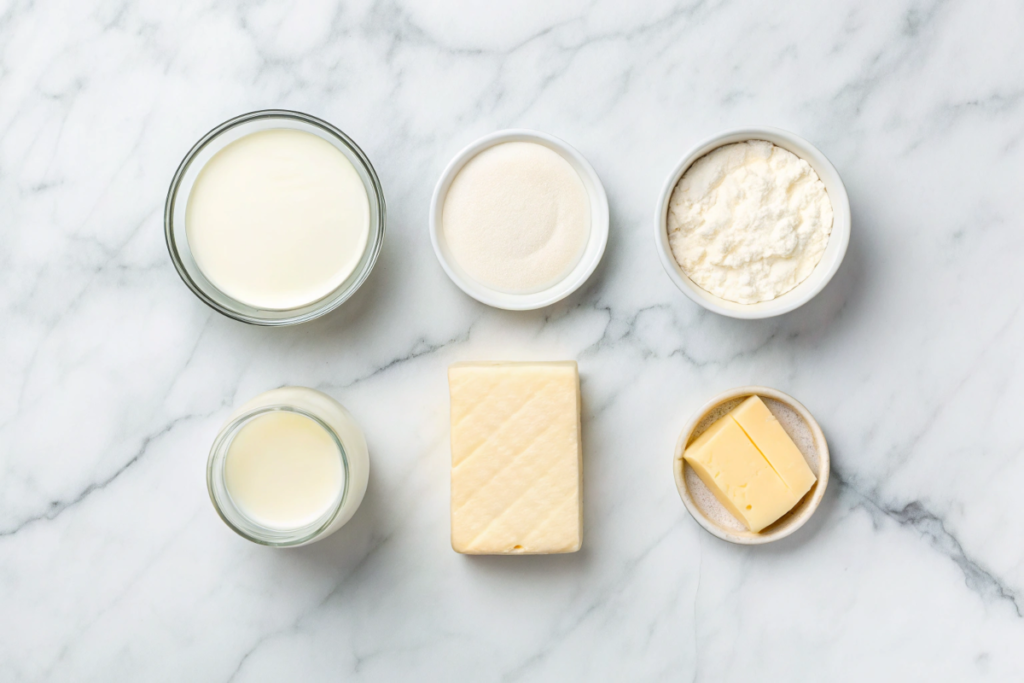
<point x="753" y="223"/>
<point x="519" y="220"/>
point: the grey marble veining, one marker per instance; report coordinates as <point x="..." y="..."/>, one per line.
<point x="113" y="565"/>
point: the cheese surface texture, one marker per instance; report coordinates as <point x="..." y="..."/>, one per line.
<point x="751" y="465"/>
<point x="516" y="458"/>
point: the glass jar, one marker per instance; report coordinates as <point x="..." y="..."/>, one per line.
<point x="184" y="181"/>
<point x="342" y="428"/>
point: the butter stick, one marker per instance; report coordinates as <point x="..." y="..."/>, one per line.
<point x="778" y="449"/>
<point x="751" y="465"/>
<point x="735" y="471"/>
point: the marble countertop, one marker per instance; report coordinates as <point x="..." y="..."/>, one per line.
<point x="113" y="564"/>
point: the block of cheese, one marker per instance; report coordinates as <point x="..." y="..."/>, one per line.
<point x="735" y="471"/>
<point x="778" y="449"/>
<point x="516" y="458"/>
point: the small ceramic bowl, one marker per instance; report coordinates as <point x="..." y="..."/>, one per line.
<point x="822" y="273"/>
<point x="591" y="255"/>
<point x="701" y="503"/>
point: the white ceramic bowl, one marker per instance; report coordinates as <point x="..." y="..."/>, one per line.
<point x="830" y="260"/>
<point x="802" y="428"/>
<point x="591" y="255"/>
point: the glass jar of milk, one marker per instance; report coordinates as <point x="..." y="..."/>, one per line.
<point x="289" y="467"/>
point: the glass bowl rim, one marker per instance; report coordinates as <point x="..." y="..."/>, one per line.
<point x="317" y="308"/>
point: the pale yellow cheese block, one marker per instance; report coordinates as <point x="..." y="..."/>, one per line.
<point x="516" y="458"/>
<point x="771" y="439"/>
<point x="735" y="471"/>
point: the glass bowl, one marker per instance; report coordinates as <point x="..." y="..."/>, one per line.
<point x="185" y="178"/>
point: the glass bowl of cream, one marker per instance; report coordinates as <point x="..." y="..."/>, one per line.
<point x="274" y="218"/>
<point x="519" y="220"/>
<point x="288" y="468"/>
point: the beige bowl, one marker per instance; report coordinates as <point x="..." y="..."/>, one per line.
<point x="702" y="504"/>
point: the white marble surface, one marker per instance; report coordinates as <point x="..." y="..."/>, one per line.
<point x="113" y="565"/>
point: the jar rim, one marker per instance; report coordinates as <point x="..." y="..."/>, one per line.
<point x="230" y="513"/>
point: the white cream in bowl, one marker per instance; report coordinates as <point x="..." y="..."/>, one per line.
<point x="519" y="220"/>
<point x="278" y="219"/>
<point x="517" y="217"/>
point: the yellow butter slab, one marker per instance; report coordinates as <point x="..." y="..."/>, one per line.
<point x="516" y="458"/>
<point x="775" y="445"/>
<point x="735" y="471"/>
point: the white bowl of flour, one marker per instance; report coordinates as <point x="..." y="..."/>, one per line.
<point x="753" y="223"/>
<point x="519" y="220"/>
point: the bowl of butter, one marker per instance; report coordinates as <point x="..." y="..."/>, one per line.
<point x="752" y="465"/>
